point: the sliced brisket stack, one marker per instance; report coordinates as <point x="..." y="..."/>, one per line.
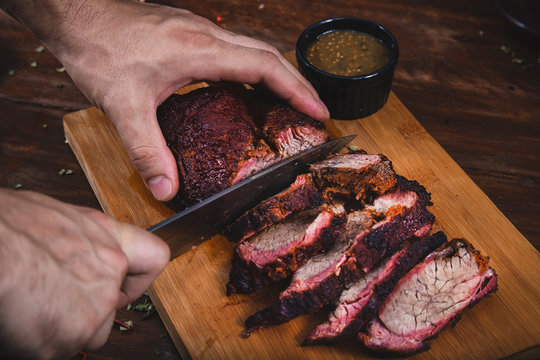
<point x="277" y="251"/>
<point x="322" y="279"/>
<point x="217" y="141"/>
<point x="429" y="297"/>
<point x="362" y="298"/>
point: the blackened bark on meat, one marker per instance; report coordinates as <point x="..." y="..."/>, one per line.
<point x="363" y="176"/>
<point x="301" y="195"/>
<point x="361" y="300"/>
<point x="419" y="307"/>
<point x="255" y="266"/>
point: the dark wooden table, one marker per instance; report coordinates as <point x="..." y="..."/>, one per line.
<point x="469" y="76"/>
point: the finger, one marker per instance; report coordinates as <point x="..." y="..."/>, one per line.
<point x="147" y="256"/>
<point x="99" y="338"/>
<point x="139" y="130"/>
<point x="257" y="44"/>
<point x="230" y="62"/>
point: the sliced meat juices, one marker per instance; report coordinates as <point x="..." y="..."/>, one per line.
<point x="354" y="174"/>
<point x="429" y="297"/>
<point x="277" y="251"/>
<point x="361" y="299"/>
<point x="301" y="195"/>
<point x="322" y="279"/>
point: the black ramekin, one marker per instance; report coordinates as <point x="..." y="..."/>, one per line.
<point x="349" y="97"/>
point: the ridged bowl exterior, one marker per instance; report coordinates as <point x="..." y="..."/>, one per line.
<point x="349" y="97"/>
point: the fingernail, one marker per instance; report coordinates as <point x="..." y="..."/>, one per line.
<point x="324" y="109"/>
<point x="160" y="187"/>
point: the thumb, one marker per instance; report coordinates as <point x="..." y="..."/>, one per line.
<point x="147" y="256"/>
<point x="147" y="149"/>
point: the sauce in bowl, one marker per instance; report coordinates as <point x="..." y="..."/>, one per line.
<point x="347" y="53"/>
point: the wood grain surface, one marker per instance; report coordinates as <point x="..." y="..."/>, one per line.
<point x="205" y="323"/>
<point x="469" y="77"/>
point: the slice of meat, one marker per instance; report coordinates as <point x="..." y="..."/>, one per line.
<point x="277" y="251"/>
<point x="301" y="195"/>
<point x="357" y="174"/>
<point x="362" y="298"/>
<point x="322" y="279"/>
<point x="292" y="132"/>
<point x="429" y="297"/>
<point x="288" y="131"/>
<point x="214" y="139"/>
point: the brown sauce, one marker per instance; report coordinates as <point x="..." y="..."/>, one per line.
<point x="347" y="53"/>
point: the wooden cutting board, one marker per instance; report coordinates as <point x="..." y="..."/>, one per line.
<point x="205" y="323"/>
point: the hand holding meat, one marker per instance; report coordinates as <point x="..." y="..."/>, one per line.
<point x="65" y="270"/>
<point x="127" y="57"/>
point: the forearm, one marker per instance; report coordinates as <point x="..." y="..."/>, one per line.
<point x="55" y="22"/>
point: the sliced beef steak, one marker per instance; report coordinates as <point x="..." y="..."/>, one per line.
<point x="429" y="297"/>
<point x="355" y="174"/>
<point x="277" y="251"/>
<point x="322" y="279"/>
<point x="362" y="298"/>
<point x="301" y="195"/>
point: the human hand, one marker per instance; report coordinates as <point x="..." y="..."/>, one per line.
<point x="64" y="270"/>
<point x="128" y="57"/>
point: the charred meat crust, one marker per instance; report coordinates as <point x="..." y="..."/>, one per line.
<point x="298" y="303"/>
<point x="211" y="132"/>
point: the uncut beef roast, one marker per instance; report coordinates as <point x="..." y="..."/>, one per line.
<point x="216" y="136"/>
<point x="429" y="297"/>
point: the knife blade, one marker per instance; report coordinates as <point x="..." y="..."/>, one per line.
<point x="193" y="225"/>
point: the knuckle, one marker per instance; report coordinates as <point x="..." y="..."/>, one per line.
<point x="144" y="157"/>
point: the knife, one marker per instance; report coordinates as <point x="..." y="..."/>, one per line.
<point x="200" y="222"/>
